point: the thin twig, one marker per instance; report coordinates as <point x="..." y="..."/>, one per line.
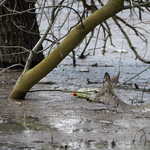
<point x="133" y="77"/>
<point x="38" y="44"/>
<point x="15" y="47"/>
<point x="3" y="70"/>
<point x="129" y="42"/>
<point x="146" y="4"/>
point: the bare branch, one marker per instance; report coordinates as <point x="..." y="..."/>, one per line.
<point x="2" y="2"/>
<point x="138" y="5"/>
<point x="61" y="6"/>
<point x="26" y="50"/>
<point x="129" y="42"/>
<point x="38" y="44"/>
<point x="134" y="76"/>
<point x="3" y="70"/>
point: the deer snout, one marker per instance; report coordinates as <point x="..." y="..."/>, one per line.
<point x="92" y="100"/>
<point x="88" y="99"/>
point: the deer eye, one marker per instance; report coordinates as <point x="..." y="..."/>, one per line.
<point x="96" y="91"/>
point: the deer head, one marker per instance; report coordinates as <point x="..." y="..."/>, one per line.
<point x="105" y="93"/>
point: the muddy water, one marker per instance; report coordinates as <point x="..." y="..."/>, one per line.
<point x="57" y="120"/>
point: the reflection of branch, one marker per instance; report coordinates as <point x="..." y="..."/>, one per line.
<point x="129" y="42"/>
<point x="143" y="135"/>
<point x="144" y="89"/>
<point x="82" y="56"/>
<point x="104" y="46"/>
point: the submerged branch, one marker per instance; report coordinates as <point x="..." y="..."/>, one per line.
<point x="133" y="77"/>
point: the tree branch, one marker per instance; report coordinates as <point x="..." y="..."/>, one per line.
<point x="146" y="4"/>
<point x="129" y="42"/>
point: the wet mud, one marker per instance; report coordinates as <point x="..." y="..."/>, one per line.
<point x="50" y="117"/>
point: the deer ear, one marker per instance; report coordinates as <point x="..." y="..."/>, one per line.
<point x="114" y="80"/>
<point x="106" y="80"/>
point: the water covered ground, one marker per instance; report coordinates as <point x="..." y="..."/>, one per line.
<point x="55" y="119"/>
<point x="52" y="118"/>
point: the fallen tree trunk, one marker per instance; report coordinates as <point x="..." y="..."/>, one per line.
<point x="32" y="76"/>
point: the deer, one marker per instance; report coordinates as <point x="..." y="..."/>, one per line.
<point x="106" y="95"/>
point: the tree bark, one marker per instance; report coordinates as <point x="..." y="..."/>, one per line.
<point x="32" y="76"/>
<point x="18" y="29"/>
